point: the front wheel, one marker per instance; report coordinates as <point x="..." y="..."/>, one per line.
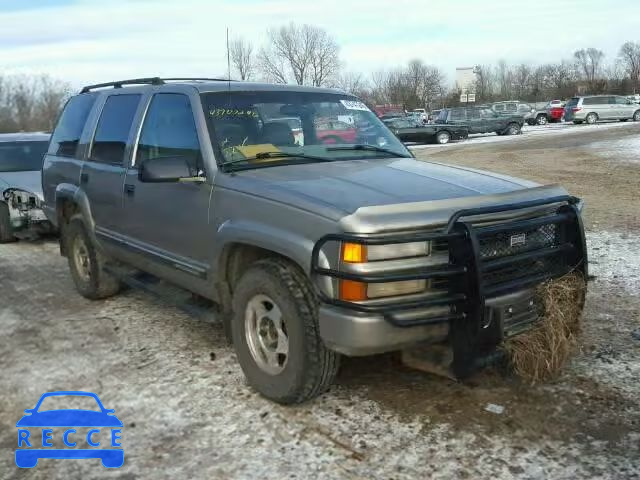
<point x="275" y="334"/>
<point x="636" y="116"/>
<point x="443" y="137"/>
<point x="87" y="263"/>
<point x="542" y="120"/>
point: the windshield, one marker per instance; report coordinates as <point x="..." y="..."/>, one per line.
<point x="250" y="129"/>
<point x="22" y="156"/>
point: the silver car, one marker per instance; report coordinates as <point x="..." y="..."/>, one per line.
<point x="21" y="186"/>
<point x="593" y="108"/>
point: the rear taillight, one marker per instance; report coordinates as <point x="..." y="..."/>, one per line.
<point x="576" y="109"/>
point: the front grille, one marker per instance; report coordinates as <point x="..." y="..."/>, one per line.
<point x="522" y="269"/>
<point x="510" y="242"/>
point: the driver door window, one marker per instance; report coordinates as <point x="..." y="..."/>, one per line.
<point x="169" y="130"/>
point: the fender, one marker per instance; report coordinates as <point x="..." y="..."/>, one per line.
<point x="68" y="191"/>
<point x="284" y="242"/>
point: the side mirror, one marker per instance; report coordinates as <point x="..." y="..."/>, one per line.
<point x="164" y="169"/>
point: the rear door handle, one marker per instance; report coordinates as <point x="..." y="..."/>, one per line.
<point x="129" y="189"/>
<point x="84" y="178"/>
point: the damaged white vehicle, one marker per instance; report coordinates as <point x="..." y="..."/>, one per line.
<point x="21" y="213"/>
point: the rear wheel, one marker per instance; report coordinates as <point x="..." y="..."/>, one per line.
<point x="512" y="129"/>
<point x="542" y="120"/>
<point x="636" y="116"/>
<point x="443" y="137"/>
<point x="275" y="334"/>
<point x="591" y="118"/>
<point x="6" y="231"/>
<point x="87" y="263"/>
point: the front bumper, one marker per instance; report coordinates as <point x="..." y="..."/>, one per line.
<point x="491" y="273"/>
<point x="356" y="334"/>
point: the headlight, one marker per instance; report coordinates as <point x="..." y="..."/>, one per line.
<point x="358" y="253"/>
<point x="351" y="290"/>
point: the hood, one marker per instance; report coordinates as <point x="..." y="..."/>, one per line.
<point x="342" y="187"/>
<point x="28" y="181"/>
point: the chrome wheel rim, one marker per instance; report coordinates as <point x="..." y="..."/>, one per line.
<point x="443" y="138"/>
<point x="266" y="334"/>
<point x="81" y="258"/>
<point x="591" y="118"/>
<point x="542" y="120"/>
<point x="636" y="116"/>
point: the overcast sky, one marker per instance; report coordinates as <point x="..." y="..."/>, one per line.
<point x="86" y="41"/>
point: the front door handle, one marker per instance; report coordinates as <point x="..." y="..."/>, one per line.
<point x="129" y="189"/>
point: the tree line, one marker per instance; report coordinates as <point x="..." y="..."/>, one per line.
<point x="308" y="55"/>
<point x="30" y="103"/>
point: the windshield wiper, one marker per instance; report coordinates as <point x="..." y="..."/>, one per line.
<point x="270" y="155"/>
<point x="362" y="146"/>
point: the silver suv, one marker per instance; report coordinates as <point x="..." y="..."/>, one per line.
<point x="312" y="249"/>
<point x="591" y="109"/>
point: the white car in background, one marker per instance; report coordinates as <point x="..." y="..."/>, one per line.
<point x="21" y="199"/>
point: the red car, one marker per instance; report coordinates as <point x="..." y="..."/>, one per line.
<point x="555" y="110"/>
<point x="334" y="131"/>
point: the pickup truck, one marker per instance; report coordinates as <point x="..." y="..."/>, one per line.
<point x="481" y="120"/>
<point x="407" y="131"/>
<point x="310" y="250"/>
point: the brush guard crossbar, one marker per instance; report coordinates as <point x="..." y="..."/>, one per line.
<point x="482" y="264"/>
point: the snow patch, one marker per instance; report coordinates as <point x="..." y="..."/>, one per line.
<point x="613" y="257"/>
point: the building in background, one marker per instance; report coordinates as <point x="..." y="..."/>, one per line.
<point x="466" y="79"/>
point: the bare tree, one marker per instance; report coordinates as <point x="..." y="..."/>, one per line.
<point x="521" y="79"/>
<point x="241" y="53"/>
<point x="630" y="57"/>
<point x="590" y="62"/>
<point x="30" y="103"/>
<point x="305" y="53"/>
<point x="351" y="82"/>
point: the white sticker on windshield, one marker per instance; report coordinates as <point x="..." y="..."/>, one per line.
<point x="354" y="105"/>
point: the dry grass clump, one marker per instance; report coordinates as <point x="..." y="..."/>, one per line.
<point x="540" y="353"/>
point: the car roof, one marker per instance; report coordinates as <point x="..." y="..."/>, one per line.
<point x="25" y="137"/>
<point x="204" y="86"/>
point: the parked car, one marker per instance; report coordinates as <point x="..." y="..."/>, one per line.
<point x="433" y="115"/>
<point x="312" y="251"/>
<point x="20" y="186"/>
<point x="407" y="131"/>
<point x="334" y="131"/>
<point x="422" y="113"/>
<point x="635" y="98"/>
<point x="514" y="107"/>
<point x="555" y="113"/>
<point x="593" y="108"/>
<point x="481" y="120"/>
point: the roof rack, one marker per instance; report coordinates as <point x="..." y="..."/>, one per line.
<point x="149" y="81"/>
<point x="202" y="79"/>
<point x="120" y="83"/>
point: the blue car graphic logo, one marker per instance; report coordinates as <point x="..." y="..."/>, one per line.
<point x="36" y="429"/>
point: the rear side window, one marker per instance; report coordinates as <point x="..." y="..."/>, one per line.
<point x="457" y="114"/>
<point x="573" y="102"/>
<point x="595" y="101"/>
<point x="21" y="156"/>
<point x="66" y="136"/>
<point x="112" y="132"/>
<point x="499" y="108"/>
<point x="169" y="130"/>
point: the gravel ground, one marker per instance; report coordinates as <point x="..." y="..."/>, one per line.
<point x="187" y="412"/>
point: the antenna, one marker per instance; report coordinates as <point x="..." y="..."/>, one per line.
<point x="228" y="62"/>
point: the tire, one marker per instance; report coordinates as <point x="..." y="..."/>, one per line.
<point x="542" y="120"/>
<point x="308" y="368"/>
<point x="6" y="230"/>
<point x="636" y="116"/>
<point x="512" y="129"/>
<point x="443" y="137"/>
<point x="86" y="263"/>
<point x="591" y="118"/>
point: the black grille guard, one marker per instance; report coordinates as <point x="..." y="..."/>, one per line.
<point x="467" y="291"/>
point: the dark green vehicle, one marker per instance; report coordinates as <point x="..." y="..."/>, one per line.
<point x="481" y="120"/>
<point x="407" y="131"/>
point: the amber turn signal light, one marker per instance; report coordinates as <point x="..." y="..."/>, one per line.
<point x="352" y="291"/>
<point x="354" y="253"/>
